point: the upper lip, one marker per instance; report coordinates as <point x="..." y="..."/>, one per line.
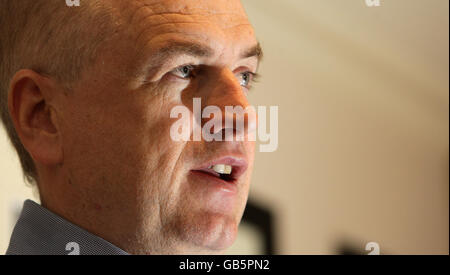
<point x="239" y="165"/>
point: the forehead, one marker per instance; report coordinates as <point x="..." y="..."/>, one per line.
<point x="212" y="7"/>
<point x="215" y="22"/>
<point x="221" y="12"/>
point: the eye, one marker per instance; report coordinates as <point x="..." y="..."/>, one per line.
<point x="184" y="71"/>
<point x="246" y="78"/>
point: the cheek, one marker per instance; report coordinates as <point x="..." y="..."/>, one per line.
<point x="129" y="137"/>
<point x="157" y="158"/>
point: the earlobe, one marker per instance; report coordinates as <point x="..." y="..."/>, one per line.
<point x="30" y="100"/>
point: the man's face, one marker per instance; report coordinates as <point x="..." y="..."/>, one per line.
<point x="126" y="179"/>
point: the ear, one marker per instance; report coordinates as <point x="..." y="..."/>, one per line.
<point x="30" y="100"/>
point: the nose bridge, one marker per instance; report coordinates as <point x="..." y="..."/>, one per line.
<point x="227" y="94"/>
<point x="225" y="90"/>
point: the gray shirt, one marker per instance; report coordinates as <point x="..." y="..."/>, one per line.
<point x="39" y="231"/>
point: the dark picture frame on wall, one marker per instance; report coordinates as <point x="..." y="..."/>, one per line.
<point x="261" y="218"/>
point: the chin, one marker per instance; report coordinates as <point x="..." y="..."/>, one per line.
<point x="209" y="233"/>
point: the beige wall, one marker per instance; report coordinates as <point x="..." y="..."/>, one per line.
<point x="363" y="96"/>
<point x="13" y="190"/>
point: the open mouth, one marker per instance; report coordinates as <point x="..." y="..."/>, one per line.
<point x="221" y="171"/>
<point x="226" y="169"/>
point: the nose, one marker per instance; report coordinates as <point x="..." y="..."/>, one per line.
<point x="238" y="120"/>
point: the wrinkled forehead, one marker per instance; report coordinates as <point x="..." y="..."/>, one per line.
<point x="221" y="17"/>
<point x="205" y="7"/>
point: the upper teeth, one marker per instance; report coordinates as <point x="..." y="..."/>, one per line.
<point x="222" y="168"/>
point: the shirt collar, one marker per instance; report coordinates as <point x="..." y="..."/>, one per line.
<point x="39" y="231"/>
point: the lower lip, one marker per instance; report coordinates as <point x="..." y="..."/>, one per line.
<point x="215" y="183"/>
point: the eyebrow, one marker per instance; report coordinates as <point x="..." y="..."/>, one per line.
<point x="255" y="51"/>
<point x="174" y="48"/>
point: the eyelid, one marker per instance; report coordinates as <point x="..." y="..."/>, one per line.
<point x="185" y="65"/>
<point x="175" y="70"/>
<point x="181" y="66"/>
<point x="194" y="70"/>
<point x="255" y="76"/>
<point x="246" y="69"/>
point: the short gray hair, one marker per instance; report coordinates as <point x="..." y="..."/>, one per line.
<point x="50" y="38"/>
